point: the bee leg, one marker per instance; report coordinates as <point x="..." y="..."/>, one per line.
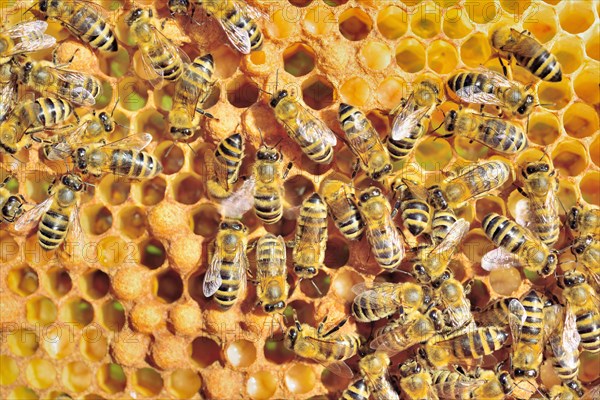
<point x="336" y="328"/>
<point x="355" y="168"/>
<point x="321" y="325"/>
<point x="287" y="169"/>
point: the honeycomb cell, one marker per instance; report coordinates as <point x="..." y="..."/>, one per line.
<point x="482" y="12"/>
<point x="283" y="23"/>
<point x="95" y="284"/>
<point x="543" y="128"/>
<point x="479" y="294"/>
<point x="152" y="253"/>
<point x="410" y="55"/>
<point x="487" y="205"/>
<point x="112" y="315"/>
<point x="431" y="149"/>
<point x="475" y="50"/>
<point x="261" y="385"/>
<point x="150" y="192"/>
<point x="242" y="92"/>
<point x="77" y="376"/>
<point x="590" y="190"/>
<point x="317" y="286"/>
<point x="133" y="92"/>
<point x="113" y="251"/>
<point x="22" y="393"/>
<point x="77" y="311"/>
<point x="442" y="56"/>
<point x="111" y="378"/>
<point x="589" y="369"/>
<point x="456" y="23"/>
<point x="516" y="7"/>
<point x="505" y="281"/>
<point x="22" y="342"/>
<point x="592" y="47"/>
<point x="569" y="53"/>
<point x="205" y="220"/>
<point x="586" y="84"/>
<point x="570" y="157"/>
<point x="241" y="353"/>
<point x="319" y="21"/>
<point x="567" y="194"/>
<point x="543" y="26"/>
<point x="96" y="219"/>
<point x="376" y="55"/>
<point x="205" y="351"/>
<point x="93" y="344"/>
<point x="132" y="221"/>
<point x="318" y="92"/>
<point x="355" y="24"/>
<point x="276" y="352"/>
<point x="171" y="157"/>
<point x="580" y="120"/>
<point x="427" y="24"/>
<point x="114" y="190"/>
<point x="9" y="372"/>
<point x="300" y="379"/>
<point x="297" y="188"/>
<point x="355" y="91"/>
<point x="22" y="281"/>
<point x="40" y="373"/>
<point x="8" y="247"/>
<point x="183" y="383"/>
<point x="299" y="59"/>
<point x="57" y="343"/>
<point x="227" y="61"/>
<point x="169" y="286"/>
<point x="392" y="22"/>
<point x="41" y="310"/>
<point x="258" y="57"/>
<point x="554" y="96"/>
<point x="595" y="151"/>
<point x="337" y="252"/>
<point x="576" y="16"/>
<point x="300" y="3"/>
<point x="343" y="283"/>
<point x="391" y="91"/>
<point x="37" y="184"/>
<point x="187" y="188"/>
<point x="475" y="245"/>
<point x="147" y="382"/>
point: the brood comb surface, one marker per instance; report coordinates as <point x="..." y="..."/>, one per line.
<point x="124" y="316"/>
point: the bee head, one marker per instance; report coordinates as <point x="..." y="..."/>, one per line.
<point x="526" y="106"/>
<point x="43" y="5"/>
<point x="573" y="218"/>
<point x="573" y="278"/>
<point x="278" y="97"/>
<point x="536" y="167"/>
<point x="437" y="198"/>
<point x="270" y="308"/>
<point x="292" y="335"/>
<point x="505" y="381"/>
<point x="106" y="122"/>
<point x="135" y="15"/>
<point x="305" y="272"/>
<point x="368" y="194"/>
<point x="522" y="373"/>
<point x="266" y="154"/>
<point x="186" y="132"/>
<point x="377" y="175"/>
<point x="551" y="263"/>
<point x="450" y="120"/>
<point x="581" y="245"/>
<point x="178" y="6"/>
<point x="437" y="318"/>
<point x="576" y="387"/>
<point x="28" y="67"/>
<point x="81" y="159"/>
<point x="73" y="182"/>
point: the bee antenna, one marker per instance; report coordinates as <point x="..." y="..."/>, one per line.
<point x="115" y="106"/>
<point x="193" y="151"/>
<point x="264" y="91"/>
<point x="262" y="139"/>
<point x="277" y="144"/>
<point x="122" y="126"/>
<point x="30" y="8"/>
<point x="276" y="79"/>
<point x="315" y="286"/>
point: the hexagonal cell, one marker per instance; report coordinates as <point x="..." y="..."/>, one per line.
<point x="337" y="252"/>
<point x="96" y="219"/>
<point x="95" y="284"/>
<point x="376" y="55"/>
<point x="431" y="149"/>
<point x="318" y="92"/>
<point x="282" y="26"/>
<point x="93" y="344"/>
<point x="391" y="91"/>
<point x="171" y="157"/>
<point x="205" y="351"/>
<point x="543" y="26"/>
<point x="22" y="393"/>
<point x="475" y="50"/>
<point x="554" y="96"/>
<point x="37" y="184"/>
<point x="112" y="315"/>
<point x="150" y="192"/>
<point x="456" y="23"/>
<point x="576" y="17"/>
<point x="590" y="191"/>
<point x="41" y="310"/>
<point x="442" y="57"/>
<point x="242" y="92"/>
<point x="317" y="21"/>
<point x="152" y="122"/>
<point x="152" y="253"/>
<point x="187" y="188"/>
<point x="113" y="189"/>
<point x="586" y="84"/>
<point x="205" y="220"/>
<point x="570" y="157"/>
<point x="516" y="7"/>
<point x="505" y="281"/>
<point x="261" y="385"/>
<point x="355" y="91"/>
<point x="77" y="311"/>
<point x="113" y="251"/>
<point x="227" y="61"/>
<point x="299" y="59"/>
<point x="479" y="294"/>
<point x="592" y="47"/>
<point x="56" y="342"/>
<point x="241" y="353"/>
<point x="569" y="53"/>
<point x="169" y="286"/>
<point x="476" y="244"/>
<point x="9" y="372"/>
<point x="111" y="378"/>
<point x="132" y="221"/>
<point x="22" y="281"/>
<point x="40" y="373"/>
<point x="300" y="379"/>
<point x="410" y="55"/>
<point x="487" y="205"/>
<point x="77" y="376"/>
<point x="305" y="312"/>
<point x="276" y="352"/>
<point x="317" y="286"/>
<point x="147" y="382"/>
<point x="427" y="25"/>
<point x="300" y="3"/>
<point x="22" y="342"/>
<point x="8" y="247"/>
<point x="580" y="120"/>
<point x="392" y="22"/>
<point x="133" y="92"/>
<point x="183" y="383"/>
<point x="595" y="151"/>
<point x="355" y="24"/>
<point x="297" y="188"/>
<point x="543" y="128"/>
<point x="482" y="12"/>
<point x="343" y="282"/>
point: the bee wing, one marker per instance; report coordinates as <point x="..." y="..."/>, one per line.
<point x="523" y="45"/>
<point x="553" y="316"/>
<point x="523" y="213"/>
<point x="251" y="12"/>
<point x="31" y="37"/>
<point x="167" y="47"/>
<point x="8" y="98"/>
<point x="570" y="335"/>
<point x="136" y="142"/>
<point x="593" y="394"/>
<point x="272" y="260"/>
<point x="399" y="338"/>
<point x="451" y="242"/>
<point x="312" y="128"/>
<point x="240" y="201"/>
<point x="377" y="300"/>
<point x="237" y="36"/>
<point x="387" y="235"/>
<point x="340" y="368"/>
<point x="453" y="390"/>
<point x="417" y="190"/>
<point x="405" y="121"/>
<point x="75" y="230"/>
<point x="219" y="166"/>
<point x="363" y="287"/>
<point x="212" y="279"/>
<point x="499" y="258"/>
<point x="516" y="319"/>
<point x="77" y="93"/>
<point x="241" y="261"/>
<point x="29" y="219"/>
<point x="459" y="315"/>
<point x="472" y="94"/>
<point x="496" y="78"/>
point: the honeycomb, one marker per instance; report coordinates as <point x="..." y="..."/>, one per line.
<point x="123" y="315"/>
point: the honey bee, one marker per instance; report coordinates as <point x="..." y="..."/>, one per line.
<point x="412" y="122"/>
<point x="499" y="135"/>
<point x="272" y="290"/>
<point x="416" y="381"/>
<point x="357" y="390"/>
<point x="374" y="371"/>
<point x="416" y="211"/>
<point x="30" y="117"/>
<point x="329" y="349"/>
<point x="226" y="274"/>
<point x="485" y="384"/>
<point x="441" y="225"/>
<point x="236" y="18"/>
<point x="498" y="312"/>
<point x="452" y="298"/>
<point x="225" y="163"/>
<point x="84" y="21"/>
<point x="311" y="237"/>
<point x="382" y="234"/>
<point x="414" y="328"/>
<point x="314" y="137"/>
<point x="487" y="87"/>
<point x="585" y="220"/>
<point x="472" y="182"/>
<point x="587" y="251"/>
<point x="11" y="205"/>
<point x="564" y="392"/>
<point x="190" y="92"/>
<point x="162" y="59"/>
<point x="526" y="321"/>
<point x="539" y="212"/>
<point x="382" y="299"/>
<point x="365" y="143"/>
<point x="518" y="246"/>
<point x="59" y="213"/>
<point x="528" y="53"/>
<point x="583" y="303"/>
<point x="341" y="203"/>
<point x="98" y="125"/>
